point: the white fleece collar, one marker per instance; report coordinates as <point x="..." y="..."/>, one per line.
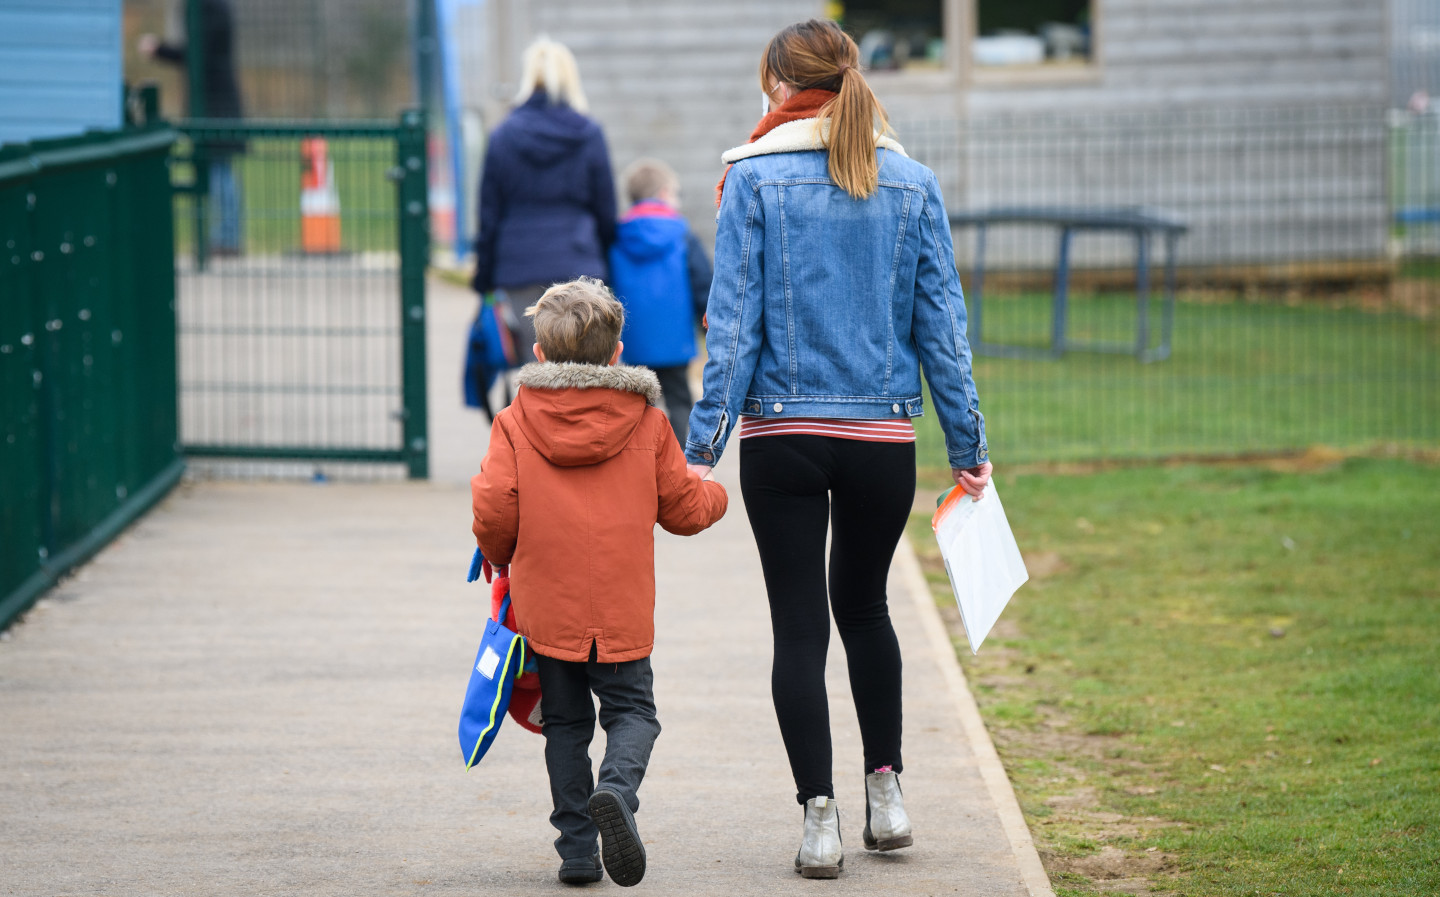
<point x="797" y="136"/>
<point x="572" y="375"/>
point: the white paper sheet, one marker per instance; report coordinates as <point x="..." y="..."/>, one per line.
<point x="981" y="557"/>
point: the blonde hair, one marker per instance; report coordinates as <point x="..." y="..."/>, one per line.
<point x="550" y="66"/>
<point x="818" y="54"/>
<point x="578" y="321"/>
<point x="648" y="178"/>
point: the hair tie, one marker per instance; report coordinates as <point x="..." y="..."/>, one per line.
<point x="843" y="67"/>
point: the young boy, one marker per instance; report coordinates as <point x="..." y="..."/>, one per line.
<point x="659" y="270"/>
<point x="581" y="467"/>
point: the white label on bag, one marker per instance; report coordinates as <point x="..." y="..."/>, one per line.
<point x="488" y="662"/>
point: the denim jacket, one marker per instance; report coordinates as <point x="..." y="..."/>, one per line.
<point x="823" y="305"/>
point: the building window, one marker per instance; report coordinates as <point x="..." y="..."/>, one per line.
<point x="895" y="34"/>
<point x="1018" y="34"/>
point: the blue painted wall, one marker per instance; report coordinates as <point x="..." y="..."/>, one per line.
<point x="60" y="67"/>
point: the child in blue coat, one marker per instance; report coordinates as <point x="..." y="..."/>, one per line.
<point x="660" y="272"/>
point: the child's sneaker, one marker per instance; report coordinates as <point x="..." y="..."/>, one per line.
<point x="581" y="870"/>
<point x="620" y="845"/>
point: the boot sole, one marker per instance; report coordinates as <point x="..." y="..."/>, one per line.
<point x="621" y="850"/>
<point x="818" y="871"/>
<point x="885" y="844"/>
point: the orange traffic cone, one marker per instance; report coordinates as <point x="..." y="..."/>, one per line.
<point x="319" y="203"/>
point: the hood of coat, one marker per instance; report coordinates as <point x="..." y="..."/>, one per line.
<point x="579" y="414"/>
<point x="546" y="132"/>
<point x="647" y="237"/>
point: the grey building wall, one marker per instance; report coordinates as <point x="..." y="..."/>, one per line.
<point x="59" y="67"/>
<point x="673" y="79"/>
<point x="1258" y="121"/>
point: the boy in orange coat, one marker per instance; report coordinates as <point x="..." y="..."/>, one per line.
<point x="580" y="469"/>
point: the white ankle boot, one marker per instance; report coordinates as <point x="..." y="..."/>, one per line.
<point x="886" y="825"/>
<point x="821" y="854"/>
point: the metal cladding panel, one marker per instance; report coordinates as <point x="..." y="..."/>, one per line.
<point x="60" y="67"/>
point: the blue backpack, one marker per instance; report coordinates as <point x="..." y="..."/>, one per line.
<point x="498" y="663"/>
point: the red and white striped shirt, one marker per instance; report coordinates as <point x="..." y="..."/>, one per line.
<point x="902" y="430"/>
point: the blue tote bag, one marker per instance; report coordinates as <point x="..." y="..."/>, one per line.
<point x="498" y="663"/>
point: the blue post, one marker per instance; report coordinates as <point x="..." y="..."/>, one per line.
<point x="1142" y="290"/>
<point x="1062" y="294"/>
<point x="977" y="283"/>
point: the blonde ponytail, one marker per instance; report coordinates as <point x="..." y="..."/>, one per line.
<point x="852" y="117"/>
<point x="819" y="54"/>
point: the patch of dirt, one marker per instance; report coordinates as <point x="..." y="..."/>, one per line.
<point x="1115" y="871"/>
<point x="1310" y="460"/>
<point x="1075" y="821"/>
<point x="1418" y="298"/>
<point x="1041" y="564"/>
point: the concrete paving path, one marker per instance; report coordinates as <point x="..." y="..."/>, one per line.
<point x="254" y="691"/>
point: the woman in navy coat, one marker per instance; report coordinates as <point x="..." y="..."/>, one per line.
<point x="547" y="198"/>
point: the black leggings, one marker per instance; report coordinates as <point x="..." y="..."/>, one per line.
<point x="793" y="486"/>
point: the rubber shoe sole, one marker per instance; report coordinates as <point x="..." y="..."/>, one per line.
<point x="818" y="871"/>
<point x="620" y="847"/>
<point x="581" y="871"/>
<point x="886" y="843"/>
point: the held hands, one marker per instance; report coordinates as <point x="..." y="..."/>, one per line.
<point x="973" y="480"/>
<point x="700" y="470"/>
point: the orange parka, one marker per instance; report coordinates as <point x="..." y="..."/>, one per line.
<point x="581" y="467"/>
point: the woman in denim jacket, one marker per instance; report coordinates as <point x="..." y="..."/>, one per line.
<point x="835" y="283"/>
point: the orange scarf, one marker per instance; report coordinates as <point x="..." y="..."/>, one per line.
<point x="805" y="104"/>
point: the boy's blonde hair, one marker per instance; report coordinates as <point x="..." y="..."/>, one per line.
<point x="648" y="178"/>
<point x="579" y="321"/>
<point x="550" y="66"/>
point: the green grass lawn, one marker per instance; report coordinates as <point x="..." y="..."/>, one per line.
<point x="1223" y="680"/>
<point x="269" y="175"/>
<point x="1244" y="377"/>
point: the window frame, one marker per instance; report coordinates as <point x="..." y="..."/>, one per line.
<point x="958" y="20"/>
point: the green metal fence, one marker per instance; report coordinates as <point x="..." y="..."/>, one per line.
<point x="1307" y="303"/>
<point x="87" y="349"/>
<point x="302" y="332"/>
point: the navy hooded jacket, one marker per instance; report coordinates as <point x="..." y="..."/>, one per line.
<point x="659" y="272"/>
<point x="547" y="201"/>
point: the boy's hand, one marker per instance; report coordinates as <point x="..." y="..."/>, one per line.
<point x="973" y="480"/>
<point x="701" y="470"/>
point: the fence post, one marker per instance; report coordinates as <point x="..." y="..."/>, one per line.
<point x="414" y="221"/>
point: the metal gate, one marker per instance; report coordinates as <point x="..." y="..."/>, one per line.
<point x="301" y="252"/>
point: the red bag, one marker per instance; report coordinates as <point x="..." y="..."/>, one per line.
<point x="525" y="696"/>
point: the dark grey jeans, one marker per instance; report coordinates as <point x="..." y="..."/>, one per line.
<point x="675" y="387"/>
<point x="518" y="299"/>
<point x="627" y="714"/>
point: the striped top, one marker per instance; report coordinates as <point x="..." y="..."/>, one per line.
<point x="902" y="430"/>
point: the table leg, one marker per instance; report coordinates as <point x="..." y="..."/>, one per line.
<point x="977" y="284"/>
<point x="1061" y="303"/>
<point x="1142" y="291"/>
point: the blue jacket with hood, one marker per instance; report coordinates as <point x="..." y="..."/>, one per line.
<point x="547" y="200"/>
<point x="659" y="271"/>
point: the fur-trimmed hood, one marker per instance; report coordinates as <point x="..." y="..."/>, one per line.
<point x="799" y="136"/>
<point x="578" y="414"/>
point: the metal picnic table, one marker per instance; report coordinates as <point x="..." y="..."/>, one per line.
<point x="1142" y="223"/>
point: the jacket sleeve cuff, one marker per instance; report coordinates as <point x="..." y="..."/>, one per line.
<point x="972" y="458"/>
<point x="699" y="453"/>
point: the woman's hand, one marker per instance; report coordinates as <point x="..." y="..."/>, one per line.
<point x="973" y="480"/>
<point x="700" y="470"/>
